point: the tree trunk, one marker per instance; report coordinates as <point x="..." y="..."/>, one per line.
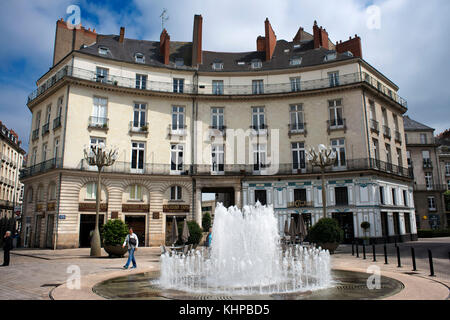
<point x="324" y="193"/>
<point x="96" y="249"/>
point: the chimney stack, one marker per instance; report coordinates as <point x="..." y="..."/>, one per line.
<point x="271" y="39"/>
<point x="352" y="44"/>
<point x="320" y="37"/>
<point x="122" y="34"/>
<point x="298" y="36"/>
<point x="164" y="46"/>
<point x="197" y="41"/>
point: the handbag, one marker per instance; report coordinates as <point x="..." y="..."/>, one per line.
<point x="132" y="241"/>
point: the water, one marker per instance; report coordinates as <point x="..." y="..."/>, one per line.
<point x="246" y="258"/>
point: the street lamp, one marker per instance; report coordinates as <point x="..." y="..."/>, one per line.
<point x="100" y="157"/>
<point x="323" y="157"/>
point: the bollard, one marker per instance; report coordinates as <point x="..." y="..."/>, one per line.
<point x="364" y="251"/>
<point x="357" y="250"/>
<point x="399" y="265"/>
<point x="385" y="255"/>
<point x="413" y="257"/>
<point x="353" y="248"/>
<point x="374" y="255"/>
<point x="430" y="258"/>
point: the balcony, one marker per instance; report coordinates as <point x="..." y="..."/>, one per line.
<point x="57" y="123"/>
<point x="45" y="129"/>
<point x="397" y="136"/>
<point x="336" y="124"/>
<point x="216" y="132"/>
<point x="41" y="167"/>
<point x="374" y="126"/>
<point x="5" y="158"/>
<point x="136" y="127"/>
<point x="35" y="134"/>
<point x="98" y="123"/>
<point x="427" y="141"/>
<point x="430" y="187"/>
<point x="297" y="128"/>
<point x="207" y="89"/>
<point x="259" y="129"/>
<point x="427" y="163"/>
<point x="386" y="132"/>
<point x="176" y="130"/>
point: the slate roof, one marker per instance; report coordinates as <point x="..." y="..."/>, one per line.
<point x="412" y="125"/>
<point x="283" y="53"/>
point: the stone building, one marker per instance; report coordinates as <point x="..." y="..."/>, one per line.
<point x="188" y="121"/>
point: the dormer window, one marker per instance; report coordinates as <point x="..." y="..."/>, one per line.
<point x="296" y="46"/>
<point x="103" y="51"/>
<point x="256" y="64"/>
<point x="295" y="61"/>
<point x="179" y="62"/>
<point x="139" y="58"/>
<point x="330" y="56"/>
<point x="217" y="66"/>
<point x="241" y="63"/>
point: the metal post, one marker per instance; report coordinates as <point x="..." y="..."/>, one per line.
<point x="399" y="263"/>
<point x="430" y="258"/>
<point x="385" y="255"/>
<point x="374" y="255"/>
<point x="353" y="249"/>
<point x="357" y="250"/>
<point x="364" y="251"/>
<point x="413" y="257"/>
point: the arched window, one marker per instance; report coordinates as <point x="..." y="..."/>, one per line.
<point x="176" y="193"/>
<point x="40" y="193"/>
<point x="135" y="192"/>
<point x="30" y="195"/>
<point x="91" y="191"/>
<point x="52" y="191"/>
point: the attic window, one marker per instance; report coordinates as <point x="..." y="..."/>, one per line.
<point x="103" y="50"/>
<point x="139" y="58"/>
<point x="241" y="63"/>
<point x="217" y="65"/>
<point x="348" y="54"/>
<point x="286" y="50"/>
<point x="295" y="61"/>
<point x="330" y="56"/>
<point x="296" y="46"/>
<point x="256" y="64"/>
<point x="179" y="62"/>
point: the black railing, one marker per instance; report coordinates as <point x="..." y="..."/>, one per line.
<point x="138" y="127"/>
<point x="98" y="122"/>
<point x="45" y="129"/>
<point x="427" y="163"/>
<point x="374" y="125"/>
<point x="57" y="123"/>
<point x="35" y="134"/>
<point x="336" y="124"/>
<point x="41" y="167"/>
<point x="386" y="131"/>
<point x="207" y="89"/>
<point x="397" y="136"/>
<point x="430" y="187"/>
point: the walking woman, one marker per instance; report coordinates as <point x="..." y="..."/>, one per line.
<point x="132" y="242"/>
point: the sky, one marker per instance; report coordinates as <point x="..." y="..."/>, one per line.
<point x="407" y="41"/>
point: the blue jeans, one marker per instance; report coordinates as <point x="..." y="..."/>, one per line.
<point x="131" y="258"/>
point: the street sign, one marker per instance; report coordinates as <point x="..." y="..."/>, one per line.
<point x="62" y="217"/>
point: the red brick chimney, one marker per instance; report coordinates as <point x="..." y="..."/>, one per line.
<point x="122" y="34"/>
<point x="320" y="36"/>
<point x="298" y="36"/>
<point x="352" y="44"/>
<point x="197" y="41"/>
<point x="164" y="46"/>
<point x="261" y="43"/>
<point x="271" y="40"/>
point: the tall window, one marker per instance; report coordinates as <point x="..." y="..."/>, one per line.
<point x="261" y="196"/>
<point x="429" y="180"/>
<point x="176" y="193"/>
<point x="176" y="157"/>
<point x="44" y="152"/>
<point x="217" y="157"/>
<point x="97" y="143"/>
<point x="34" y="156"/>
<point x="373" y="115"/>
<point x="295" y="84"/>
<point x="102" y="75"/>
<point x="257" y="86"/>
<point x="137" y="156"/>
<point x="99" y="111"/>
<point x="56" y="148"/>
<point x="177" y="118"/>
<point x="217" y="119"/>
<point x="141" y="81"/>
<point x="338" y="146"/>
<point x="395" y="122"/>
<point x="388" y="153"/>
<point x="38" y="120"/>
<point x="431" y="203"/>
<point x="408" y="159"/>
<point x="178" y="85"/>
<point x="91" y="191"/>
<point x="376" y="150"/>
<point x="423" y="138"/>
<point x="341" y="195"/>
<point x="296" y="114"/>
<point x="48" y="114"/>
<point x="298" y="156"/>
<point x="405" y="198"/>
<point x="139" y="115"/>
<point x="217" y="86"/>
<point x="258" y="118"/>
<point x="259" y="156"/>
<point x="300" y="194"/>
<point x="335" y="107"/>
<point x="135" y="192"/>
<point x="447" y="168"/>
<point x="60" y="106"/>
<point x="382" y="195"/>
<point x="52" y="191"/>
<point x="426" y="159"/>
<point x="399" y="158"/>
<point x="394" y="196"/>
<point x="385" y="119"/>
<point x="333" y="77"/>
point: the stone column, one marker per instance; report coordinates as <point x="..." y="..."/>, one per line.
<point x="198" y="206"/>
<point x="237" y="196"/>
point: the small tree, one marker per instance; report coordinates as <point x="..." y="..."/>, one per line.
<point x="326" y="230"/>
<point x="206" y="222"/>
<point x="194" y="230"/>
<point x="114" y="232"/>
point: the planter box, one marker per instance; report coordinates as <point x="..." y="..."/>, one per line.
<point x="329" y="246"/>
<point x="115" y="251"/>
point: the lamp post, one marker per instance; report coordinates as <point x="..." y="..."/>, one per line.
<point x="323" y="157"/>
<point x="100" y="157"/>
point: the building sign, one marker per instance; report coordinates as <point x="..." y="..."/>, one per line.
<point x="176" y="208"/>
<point x="155" y="215"/>
<point x="298" y="204"/>
<point x="135" y="208"/>
<point x="51" y="206"/>
<point x="90" y="207"/>
<point x="62" y="217"/>
<point x="39" y="207"/>
<point x="114" y="215"/>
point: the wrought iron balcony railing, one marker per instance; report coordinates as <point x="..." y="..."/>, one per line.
<point x="35" y="134"/>
<point x="98" y="122"/>
<point x="45" y="129"/>
<point x="207" y="89"/>
<point x="387" y="131"/>
<point x="41" y="167"/>
<point x="138" y="127"/>
<point x="336" y="124"/>
<point x="374" y="125"/>
<point x="397" y="136"/>
<point x="57" y="122"/>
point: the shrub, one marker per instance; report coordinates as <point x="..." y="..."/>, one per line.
<point x="326" y="230"/>
<point x="206" y="222"/>
<point x="195" y="232"/>
<point x="114" y="232"/>
<point x="365" y="225"/>
<point x="433" y="233"/>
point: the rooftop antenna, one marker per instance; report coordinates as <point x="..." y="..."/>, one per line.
<point x="164" y="18"/>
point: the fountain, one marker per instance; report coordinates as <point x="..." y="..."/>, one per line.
<point x="246" y="258"/>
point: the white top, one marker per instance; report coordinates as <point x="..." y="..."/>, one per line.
<point x="126" y="242"/>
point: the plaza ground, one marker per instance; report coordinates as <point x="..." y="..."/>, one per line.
<point x="35" y="273"/>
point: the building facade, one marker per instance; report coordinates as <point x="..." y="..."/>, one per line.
<point x="187" y="121"/>
<point x="11" y="189"/>
<point x="423" y="160"/>
<point x="444" y="166"/>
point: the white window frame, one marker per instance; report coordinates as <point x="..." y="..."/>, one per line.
<point x="101" y="74"/>
<point x="93" y="194"/>
<point x="258" y="118"/>
<point x="258" y="86"/>
<point x="431" y="203"/>
<point x="141" y="81"/>
<point x="217" y="118"/>
<point x="296" y="117"/>
<point x="178" y="85"/>
<point x="338" y="146"/>
<point x="217" y="87"/>
<point x="295" y="84"/>
<point x="135" y="192"/>
<point x="428" y="176"/>
<point x="176" y="161"/>
<point x="298" y="148"/>
<point x="178" y="120"/>
<point x="259" y="157"/>
<point x="176" y="193"/>
<point x="217" y="159"/>
<point x="100" y="111"/>
<point x="139" y="58"/>
<point x="137" y="150"/>
<point x="139" y="115"/>
<point x="333" y="78"/>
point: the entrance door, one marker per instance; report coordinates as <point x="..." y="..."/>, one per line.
<point x="138" y="225"/>
<point x="37" y="234"/>
<point x="384" y="224"/>
<point x="87" y="224"/>
<point x="345" y="221"/>
<point x="396" y="223"/>
<point x="50" y="226"/>
<point x="261" y="196"/>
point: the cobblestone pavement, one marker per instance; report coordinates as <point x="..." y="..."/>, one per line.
<point x="33" y="273"/>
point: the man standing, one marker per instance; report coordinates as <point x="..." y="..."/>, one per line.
<point x="132" y="242"/>
<point x="7" y="246"/>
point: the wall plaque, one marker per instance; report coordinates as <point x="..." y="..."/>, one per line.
<point x="114" y="214"/>
<point x="155" y="215"/>
<point x="90" y="207"/>
<point x="51" y="206"/>
<point x="176" y="208"/>
<point x="135" y="207"/>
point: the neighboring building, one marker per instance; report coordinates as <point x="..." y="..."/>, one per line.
<point x="11" y="189"/>
<point x="444" y="163"/>
<point x="187" y="121"/>
<point x="209" y="206"/>
<point x="422" y="158"/>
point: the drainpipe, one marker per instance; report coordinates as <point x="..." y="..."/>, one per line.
<point x="365" y="115"/>
<point x="57" y="213"/>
